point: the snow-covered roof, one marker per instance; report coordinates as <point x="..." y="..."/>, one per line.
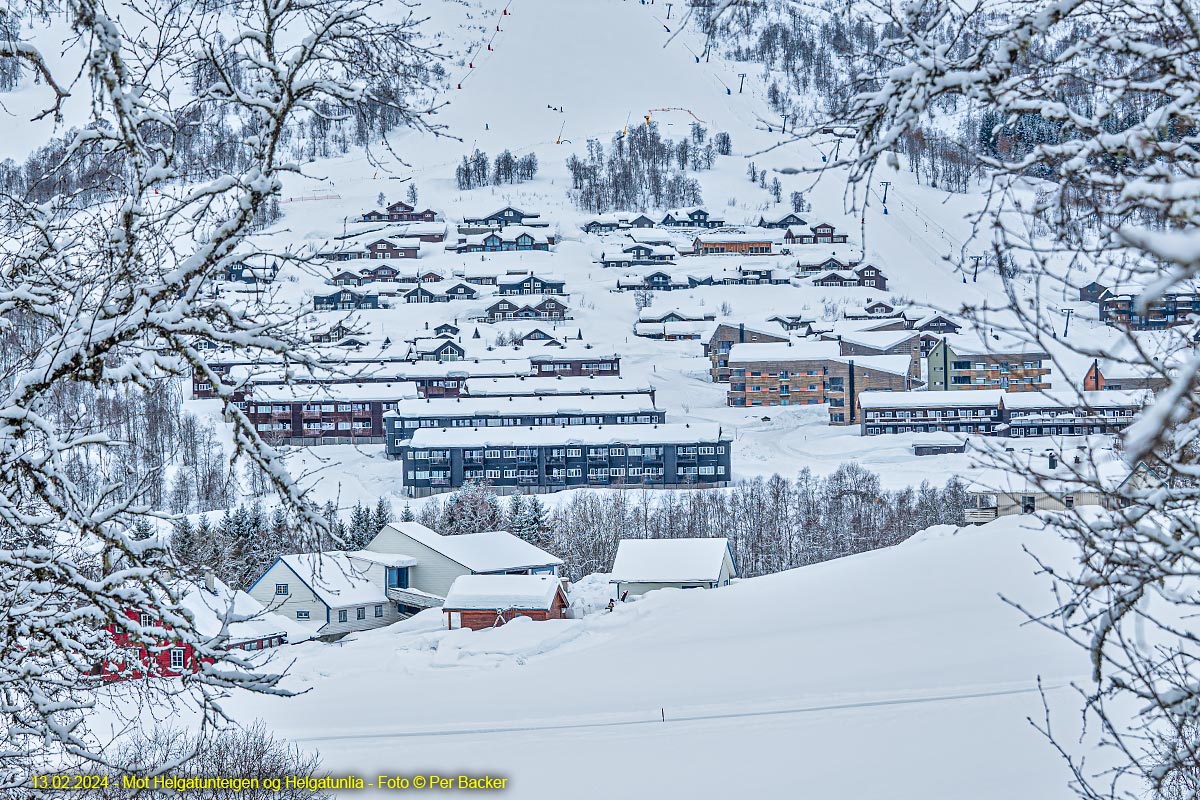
<point x="672" y="328"/>
<point x="383" y="559"/>
<point x="490" y="551"/>
<point x="330" y="393"/>
<point x="991" y="343"/>
<point x="750" y="352"/>
<point x="541" y="404"/>
<point x="879" y="340"/>
<point x="548" y="436"/>
<point x="1133" y="398"/>
<point x="757" y="235"/>
<point x="895" y="365"/>
<point x="502" y="592"/>
<point x="938" y="439"/>
<point x="335" y="579"/>
<point x="499" y="387"/>
<point x="658" y="314"/>
<point x="669" y="560"/>
<point x="952" y="399"/>
<point x="246" y="618"/>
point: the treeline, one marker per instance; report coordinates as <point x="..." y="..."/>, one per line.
<point x="477" y="171"/>
<point x="773" y="524"/>
<point x="644" y="170"/>
<point x="239" y="546"/>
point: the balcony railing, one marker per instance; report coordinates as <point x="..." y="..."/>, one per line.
<point x="980" y="515"/>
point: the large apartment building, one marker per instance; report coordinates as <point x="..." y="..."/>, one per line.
<point x="930" y="412"/>
<point x="955" y="364"/>
<point x="724" y="338"/>
<point x="1000" y="413"/>
<point x="547" y="459"/>
<point x="811" y="373"/>
<point x="409" y="416"/>
<point x="1121" y="307"/>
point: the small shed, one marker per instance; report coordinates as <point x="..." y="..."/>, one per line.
<point x="486" y="601"/>
<point x="936" y="444"/>
<point x="643" y="565"/>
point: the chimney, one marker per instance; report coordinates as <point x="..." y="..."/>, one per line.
<point x="1053" y="461"/>
<point x="741" y="333"/>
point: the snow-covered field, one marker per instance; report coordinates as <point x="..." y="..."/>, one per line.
<point x="899" y="673"/>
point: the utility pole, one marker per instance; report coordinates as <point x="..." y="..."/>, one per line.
<point x="975" y="277"/>
<point x="837" y="148"/>
<point x="742" y="82"/>
<point x="669" y="10"/>
<point x="785" y="119"/>
<point x="885" y="185"/>
<point x="1067" y="327"/>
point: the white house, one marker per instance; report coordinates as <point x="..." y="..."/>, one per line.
<point x="335" y="592"/>
<point x="440" y="559"/>
<point x="643" y="565"/>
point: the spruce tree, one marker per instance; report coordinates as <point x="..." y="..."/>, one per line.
<point x="382" y="516"/>
<point x="407" y="514"/>
<point x="184" y="542"/>
<point x="515" y="515"/>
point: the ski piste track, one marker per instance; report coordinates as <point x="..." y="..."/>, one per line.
<point x="668" y="716"/>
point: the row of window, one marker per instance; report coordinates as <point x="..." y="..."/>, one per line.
<point x="512" y="422"/>
<point x="344" y="613"/>
<point x="312" y="425"/>
<point x="597" y="473"/>
<point x="924" y="413"/>
<point x="568" y="452"/>
<point x="980" y="365"/>
<point x="874" y="431"/>
<point x="315" y="408"/>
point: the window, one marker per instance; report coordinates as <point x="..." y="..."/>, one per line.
<point x="360" y="613"/>
<point x="176" y="658"/>
<point x="343" y="615"/>
<point x="281" y="588"/>
<point x="301" y="614"/>
<point x="145" y="621"/>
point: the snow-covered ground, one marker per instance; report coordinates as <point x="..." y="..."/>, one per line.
<point x="899" y="673"/>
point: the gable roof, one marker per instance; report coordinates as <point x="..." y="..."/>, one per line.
<point x="502" y="592"/>
<point x="669" y="560"/>
<point x="335" y="579"/>
<point x="491" y="551"/>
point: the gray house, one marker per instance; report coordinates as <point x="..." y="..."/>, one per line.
<point x="438" y="559"/>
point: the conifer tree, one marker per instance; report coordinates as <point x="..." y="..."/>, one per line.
<point x="382" y="516"/>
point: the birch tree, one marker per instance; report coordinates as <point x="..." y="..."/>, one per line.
<point x="107" y="288"/>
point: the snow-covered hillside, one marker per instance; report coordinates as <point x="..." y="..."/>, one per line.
<point x="900" y="673"/>
<point x="626" y="66"/>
